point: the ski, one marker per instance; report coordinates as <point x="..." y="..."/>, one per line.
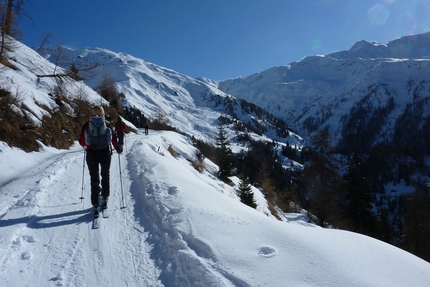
<point x="96" y="223"/>
<point x="105" y="213"/>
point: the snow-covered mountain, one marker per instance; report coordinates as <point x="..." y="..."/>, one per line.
<point x="320" y="91"/>
<point x="181" y="227"/>
<point x="374" y="100"/>
<point x="146" y="86"/>
<point x="191" y="105"/>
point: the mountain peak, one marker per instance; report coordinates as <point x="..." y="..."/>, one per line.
<point x="364" y="45"/>
<point x="414" y="46"/>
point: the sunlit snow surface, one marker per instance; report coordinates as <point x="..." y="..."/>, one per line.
<point x="180" y="228"/>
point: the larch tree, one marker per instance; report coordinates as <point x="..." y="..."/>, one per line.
<point x="9" y="12"/>
<point x="321" y="179"/>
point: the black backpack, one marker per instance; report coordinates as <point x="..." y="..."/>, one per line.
<point x="98" y="135"/>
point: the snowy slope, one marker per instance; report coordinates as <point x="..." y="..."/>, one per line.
<point x="147" y="86"/>
<point x="33" y="90"/>
<point x="181" y="228"/>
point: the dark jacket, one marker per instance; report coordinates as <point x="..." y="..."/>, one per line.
<point x="120" y="126"/>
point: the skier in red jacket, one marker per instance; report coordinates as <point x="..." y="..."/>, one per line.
<point x="120" y="129"/>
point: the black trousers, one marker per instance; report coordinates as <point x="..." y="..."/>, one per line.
<point x="96" y="158"/>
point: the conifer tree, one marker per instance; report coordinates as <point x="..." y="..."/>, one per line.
<point x="359" y="200"/>
<point x="417" y="230"/>
<point x="225" y="155"/>
<point x="245" y="193"/>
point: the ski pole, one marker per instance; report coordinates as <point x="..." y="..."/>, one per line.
<point x="120" y="179"/>
<point x="83" y="173"/>
<point x="124" y="143"/>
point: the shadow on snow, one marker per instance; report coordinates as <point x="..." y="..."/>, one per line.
<point x="54" y="220"/>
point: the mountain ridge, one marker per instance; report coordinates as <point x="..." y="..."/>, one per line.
<point x="294" y="92"/>
<point x="406" y="47"/>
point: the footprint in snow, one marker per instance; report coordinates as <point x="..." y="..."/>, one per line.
<point x="26" y="255"/>
<point x="29" y="238"/>
<point x="267" y="252"/>
<point x="57" y="279"/>
<point x="173" y="190"/>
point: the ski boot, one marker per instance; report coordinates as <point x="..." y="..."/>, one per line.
<point x="104" y="203"/>
<point x="96" y="210"/>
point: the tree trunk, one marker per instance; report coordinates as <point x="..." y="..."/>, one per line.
<point x="8" y="22"/>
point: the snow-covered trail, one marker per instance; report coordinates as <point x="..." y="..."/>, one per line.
<point x="46" y="231"/>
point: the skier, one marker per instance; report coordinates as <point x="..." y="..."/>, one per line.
<point x="145" y="122"/>
<point x="120" y="129"/>
<point x="96" y="137"/>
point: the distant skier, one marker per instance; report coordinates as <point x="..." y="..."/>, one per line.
<point x="97" y="137"/>
<point x="120" y="129"/>
<point x="145" y="122"/>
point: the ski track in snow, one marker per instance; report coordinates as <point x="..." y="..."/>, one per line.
<point x="55" y="221"/>
<point x="175" y="255"/>
<point x="52" y="240"/>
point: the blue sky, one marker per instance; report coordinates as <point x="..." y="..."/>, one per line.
<point x="222" y="39"/>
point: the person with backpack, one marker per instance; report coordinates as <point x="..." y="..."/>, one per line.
<point x="120" y="129"/>
<point x="97" y="137"/>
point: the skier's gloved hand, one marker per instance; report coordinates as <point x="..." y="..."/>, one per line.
<point x="119" y="149"/>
